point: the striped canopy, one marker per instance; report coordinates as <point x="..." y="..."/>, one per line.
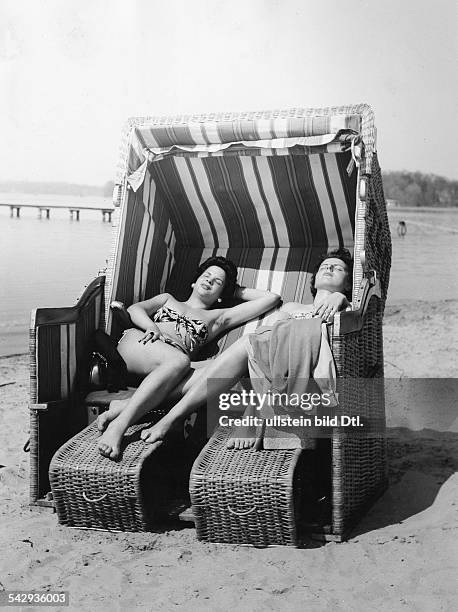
<point x="211" y="135"/>
<point x="272" y="195"/>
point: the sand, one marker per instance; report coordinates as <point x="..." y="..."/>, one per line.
<point x="401" y="556"/>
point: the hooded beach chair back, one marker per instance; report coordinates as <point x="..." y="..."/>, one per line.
<point x="272" y="191"/>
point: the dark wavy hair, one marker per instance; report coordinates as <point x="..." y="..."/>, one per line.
<point x="345" y="256"/>
<point x="229" y="268"/>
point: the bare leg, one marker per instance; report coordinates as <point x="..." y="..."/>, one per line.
<point x="233" y="363"/>
<point x="167" y="367"/>
<point x="137" y="358"/>
<point x="115" y="409"/>
<point x="117" y="406"/>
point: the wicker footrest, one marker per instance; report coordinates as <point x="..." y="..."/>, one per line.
<point x="91" y="491"/>
<point x="245" y="496"/>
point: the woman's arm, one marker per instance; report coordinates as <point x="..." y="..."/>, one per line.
<point x="140" y="314"/>
<point x="332" y="303"/>
<point x="325" y="307"/>
<point x="255" y="303"/>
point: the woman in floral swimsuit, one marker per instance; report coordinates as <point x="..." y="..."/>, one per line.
<point x="173" y="332"/>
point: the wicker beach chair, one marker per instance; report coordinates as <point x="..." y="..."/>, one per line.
<point x="270" y="190"/>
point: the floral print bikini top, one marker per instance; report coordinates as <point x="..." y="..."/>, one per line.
<point x="192" y="333"/>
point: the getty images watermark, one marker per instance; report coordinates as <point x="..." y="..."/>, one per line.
<point x="356" y="406"/>
<point x="263" y="403"/>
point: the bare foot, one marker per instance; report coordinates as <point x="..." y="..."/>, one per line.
<point x="109" y="444"/>
<point x="115" y="409"/>
<point x="245" y="437"/>
<point x="249" y="435"/>
<point x="156" y="433"/>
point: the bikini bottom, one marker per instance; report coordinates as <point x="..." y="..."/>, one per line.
<point x="177" y="345"/>
<point x="164" y="339"/>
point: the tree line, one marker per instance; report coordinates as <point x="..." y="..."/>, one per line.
<point x="417" y="189"/>
<point x="58" y="188"/>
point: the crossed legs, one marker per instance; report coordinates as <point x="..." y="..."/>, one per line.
<point x="233" y="364"/>
<point x="172" y="377"/>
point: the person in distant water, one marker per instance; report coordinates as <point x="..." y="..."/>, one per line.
<point x="402" y="229"/>
<point x="173" y="332"/>
<point x="331" y="287"/>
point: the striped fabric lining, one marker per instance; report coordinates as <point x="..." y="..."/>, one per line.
<point x="221" y="132"/>
<point x="61" y="348"/>
<point x="328" y="143"/>
<point x="273" y="216"/>
<point x="258" y="202"/>
<point x="360" y="117"/>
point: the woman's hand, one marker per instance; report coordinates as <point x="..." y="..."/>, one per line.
<point x="141" y="312"/>
<point x="331" y="304"/>
<point x="151" y="334"/>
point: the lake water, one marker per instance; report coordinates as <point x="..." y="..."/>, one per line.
<point x="48" y="262"/>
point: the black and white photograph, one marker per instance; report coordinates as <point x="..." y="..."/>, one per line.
<point x="228" y="314"/>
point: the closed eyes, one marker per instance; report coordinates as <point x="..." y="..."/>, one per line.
<point x="216" y="280"/>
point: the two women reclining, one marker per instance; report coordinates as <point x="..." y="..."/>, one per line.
<point x="174" y="332"/>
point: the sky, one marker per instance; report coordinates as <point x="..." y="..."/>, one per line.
<point x="71" y="73"/>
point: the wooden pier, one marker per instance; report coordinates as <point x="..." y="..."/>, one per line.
<point x="15" y="210"/>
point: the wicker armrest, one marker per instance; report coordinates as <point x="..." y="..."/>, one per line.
<point x="69" y="314"/>
<point x="58" y="344"/>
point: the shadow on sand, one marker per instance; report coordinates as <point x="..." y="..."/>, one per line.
<point x="421" y="463"/>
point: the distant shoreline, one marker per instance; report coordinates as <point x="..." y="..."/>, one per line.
<point x="422" y="208"/>
<point x="58" y="188"/>
<point x="27" y="200"/>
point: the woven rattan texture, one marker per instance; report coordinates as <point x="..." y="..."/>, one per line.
<point x="372" y="232"/>
<point x="377" y="230"/>
<point x="92" y="491"/>
<point x="359" y="461"/>
<point x="244" y="497"/>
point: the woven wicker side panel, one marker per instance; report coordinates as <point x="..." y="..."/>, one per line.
<point x="33" y="479"/>
<point x="34" y="485"/>
<point x="359" y="461"/>
<point x="244" y="497"/>
<point x="377" y="231"/>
